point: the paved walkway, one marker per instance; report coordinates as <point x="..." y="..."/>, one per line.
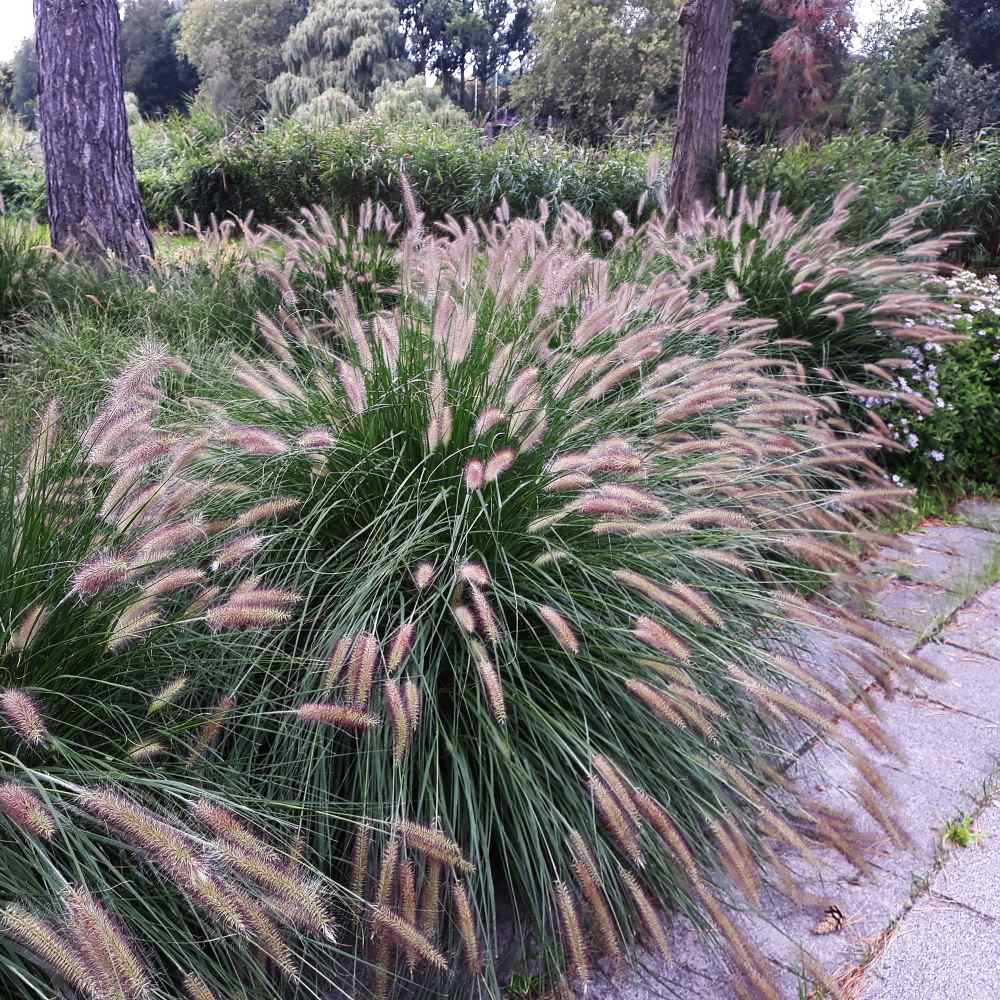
<point x="926" y="925"/>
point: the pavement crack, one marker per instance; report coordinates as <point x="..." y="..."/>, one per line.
<point x="919" y="695"/>
<point x="968" y="649"/>
<point x="951" y="901"/>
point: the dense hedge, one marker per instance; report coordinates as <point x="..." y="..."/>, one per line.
<point x="198" y="166"/>
<point x="454" y="170"/>
<point x="195" y="167"/>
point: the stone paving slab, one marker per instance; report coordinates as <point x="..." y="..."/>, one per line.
<point x="948" y="947"/>
<point x="980" y="513"/>
<point x="950" y="556"/>
<point x="913" y="605"/>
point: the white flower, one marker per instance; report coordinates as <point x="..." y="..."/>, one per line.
<point x="938" y="456"/>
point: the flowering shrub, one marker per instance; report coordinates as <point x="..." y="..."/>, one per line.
<point x="955" y="442"/>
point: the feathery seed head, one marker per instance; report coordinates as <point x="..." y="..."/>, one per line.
<point x="499" y="463"/>
<point x="58" y="953"/>
<point x="490" y="679"/>
<point x="400" y="647"/>
<point x="338" y="716"/>
<point x="98" y="574"/>
<point x="195" y="988"/>
<point x="467" y="928"/>
<point x="475" y="475"/>
<point x="572" y="932"/>
<point x="423" y="575"/>
<point x="243" y="617"/>
<point x="30" y="625"/>
<point x="22" y="714"/>
<point x="236" y="551"/>
<point x="25" y="809"/>
<point x="561" y="630"/>
<point x="167" y="694"/>
<point x="364" y="659"/>
<point x="266" y="511"/>
<point x="405" y="935"/>
<point x="433" y="844"/>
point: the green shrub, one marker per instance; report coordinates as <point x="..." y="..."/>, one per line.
<point x="22" y="182"/>
<point x="544" y="530"/>
<point x="956" y="444"/>
<point x="111" y="730"/>
<point x="453" y="168"/>
<point x="202" y="298"/>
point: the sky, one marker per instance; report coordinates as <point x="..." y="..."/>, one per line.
<point x="16" y="21"/>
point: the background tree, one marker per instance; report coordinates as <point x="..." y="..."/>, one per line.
<point x="596" y="61"/>
<point x="964" y="98"/>
<point x="466" y="39"/>
<point x="24" y="88"/>
<point x="235" y="45"/>
<point x="888" y="86"/>
<point x="412" y="100"/>
<point x="6" y="85"/>
<point x="798" y="77"/>
<point x="756" y="30"/>
<point x="974" y="27"/>
<point x="341" y="47"/>
<point x="909" y="74"/>
<point x="93" y="196"/>
<point x="152" y="68"/>
<point x="707" y="28"/>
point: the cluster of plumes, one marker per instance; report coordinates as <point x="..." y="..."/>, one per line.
<point x="88" y="948"/>
<point x="221" y="867"/>
<point x="160" y="563"/>
<point x="680" y="479"/>
<point x="402" y="895"/>
<point x="351" y="672"/>
<point x="845" y="310"/>
<point x="24" y="718"/>
<point x="320" y="255"/>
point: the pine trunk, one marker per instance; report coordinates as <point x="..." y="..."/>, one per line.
<point x="93" y="196"/>
<point x="707" y="27"/>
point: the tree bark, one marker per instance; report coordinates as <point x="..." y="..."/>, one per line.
<point x="707" y="27"/>
<point x="94" y="203"/>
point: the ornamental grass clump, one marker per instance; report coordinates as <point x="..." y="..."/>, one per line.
<point x="550" y="531"/>
<point x="846" y="311"/>
<point x="111" y="724"/>
<point x="320" y="255"/>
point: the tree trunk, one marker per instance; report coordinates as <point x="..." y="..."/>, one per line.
<point x="707" y="27"/>
<point x="94" y="203"/>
